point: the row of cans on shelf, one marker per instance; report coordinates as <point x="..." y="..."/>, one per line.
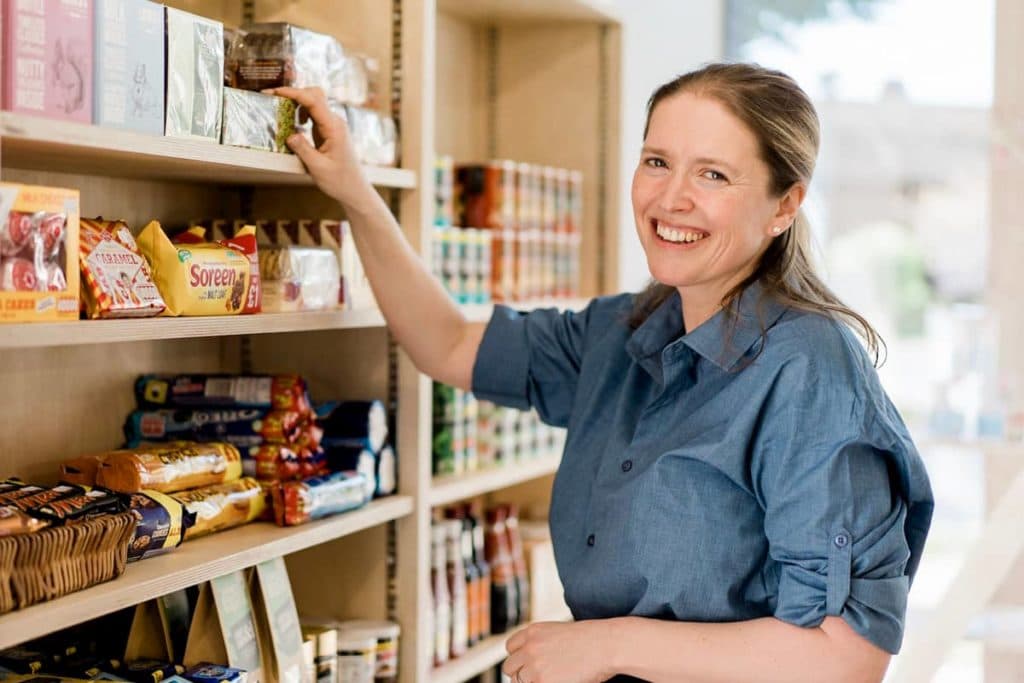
<point x="470" y="435"/>
<point x="508" y="195"/>
<point x="478" y="265"/>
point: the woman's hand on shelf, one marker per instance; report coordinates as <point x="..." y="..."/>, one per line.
<point x="333" y="162"/>
<point x="577" y="652"/>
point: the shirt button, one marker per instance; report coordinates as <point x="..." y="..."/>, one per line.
<point x="627" y="465"/>
<point x="590" y="540"/>
<point x="841" y="540"/>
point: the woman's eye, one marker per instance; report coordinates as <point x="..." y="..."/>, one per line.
<point x="713" y="175"/>
<point x="655" y="162"/>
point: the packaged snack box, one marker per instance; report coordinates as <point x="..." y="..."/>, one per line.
<point x="129" y="65"/>
<point x="257" y="121"/>
<point x="196" y="279"/>
<point x="46" y="60"/>
<point x="195" y="76"/>
<point x="39" y="279"/>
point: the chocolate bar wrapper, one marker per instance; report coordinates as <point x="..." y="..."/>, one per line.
<point x="45" y="496"/>
<point x="76" y="508"/>
<point x="14" y="522"/>
<point x="162" y="526"/>
<point x="281" y="392"/>
<point x="257" y="121"/>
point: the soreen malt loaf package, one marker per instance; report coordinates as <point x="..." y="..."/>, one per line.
<point x="196" y="279"/>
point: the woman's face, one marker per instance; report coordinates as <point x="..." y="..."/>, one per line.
<point x="701" y="197"/>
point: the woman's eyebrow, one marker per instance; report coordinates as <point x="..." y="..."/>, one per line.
<point x="711" y="161"/>
<point x="708" y="161"/>
<point x="656" y="151"/>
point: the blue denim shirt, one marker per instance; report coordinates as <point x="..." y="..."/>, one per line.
<point x="721" y="475"/>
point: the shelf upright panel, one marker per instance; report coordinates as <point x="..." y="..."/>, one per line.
<point x="414" y="33"/>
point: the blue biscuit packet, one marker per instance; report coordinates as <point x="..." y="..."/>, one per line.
<point x="213" y="673"/>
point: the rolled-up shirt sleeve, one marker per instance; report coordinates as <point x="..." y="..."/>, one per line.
<point x="532" y="360"/>
<point x="836" y="511"/>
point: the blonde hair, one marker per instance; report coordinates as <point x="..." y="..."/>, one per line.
<point x="780" y="115"/>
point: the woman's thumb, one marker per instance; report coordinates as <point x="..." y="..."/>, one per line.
<point x="309" y="155"/>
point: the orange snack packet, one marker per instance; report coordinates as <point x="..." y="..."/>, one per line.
<point x="115" y="277"/>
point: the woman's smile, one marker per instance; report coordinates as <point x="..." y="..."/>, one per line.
<point x="671" y="236"/>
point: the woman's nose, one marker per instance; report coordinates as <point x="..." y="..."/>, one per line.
<point x="676" y="194"/>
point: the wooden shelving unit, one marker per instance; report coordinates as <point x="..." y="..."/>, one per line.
<point x="35" y="143"/>
<point x="531" y="80"/>
<point x="192" y="563"/>
<point x="452" y="488"/>
<point x="480" y="658"/>
<point x="155" y="329"/>
<point x="533" y="11"/>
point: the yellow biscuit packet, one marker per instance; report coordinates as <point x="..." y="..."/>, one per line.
<point x="201" y="278"/>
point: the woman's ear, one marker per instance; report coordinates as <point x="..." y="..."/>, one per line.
<point x="789" y="205"/>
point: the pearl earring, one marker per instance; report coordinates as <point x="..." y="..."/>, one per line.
<point x="776" y="230"/>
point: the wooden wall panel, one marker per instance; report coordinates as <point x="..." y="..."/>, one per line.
<point x="64" y="402"/>
<point x="138" y="201"/>
<point x="343" y="579"/>
<point x="350" y="364"/>
<point x="462" y="71"/>
<point x="547" y="111"/>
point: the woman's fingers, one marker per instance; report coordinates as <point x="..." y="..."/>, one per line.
<point x="314" y="102"/>
<point x="309" y="155"/>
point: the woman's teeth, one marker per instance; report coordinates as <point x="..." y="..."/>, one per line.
<point x="672" y="235"/>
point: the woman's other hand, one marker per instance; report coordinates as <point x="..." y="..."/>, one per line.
<point x="333" y="162"/>
<point x="556" y="652"/>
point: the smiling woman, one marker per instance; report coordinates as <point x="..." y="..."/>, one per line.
<point x="764" y="134"/>
<point x="738" y="498"/>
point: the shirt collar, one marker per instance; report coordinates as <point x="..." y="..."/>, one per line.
<point x="723" y="339"/>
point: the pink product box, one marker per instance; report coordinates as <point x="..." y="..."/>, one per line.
<point x="46" y="58"/>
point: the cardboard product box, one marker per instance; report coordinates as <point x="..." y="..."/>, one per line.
<point x="357" y="292"/>
<point x="257" y="121"/>
<point x="129" y="65"/>
<point x="277" y="622"/>
<point x="46" y="59"/>
<point x="224" y="628"/>
<point x="39" y="276"/>
<point x="195" y="76"/>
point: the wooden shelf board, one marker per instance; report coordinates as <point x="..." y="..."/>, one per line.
<point x="479" y="659"/>
<point x="450" y="488"/>
<point x="522" y="11"/>
<point x="482" y="656"/>
<point x="191" y="564"/>
<point x="38" y="143"/>
<point x="79" y="332"/>
<point x="482" y="312"/>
